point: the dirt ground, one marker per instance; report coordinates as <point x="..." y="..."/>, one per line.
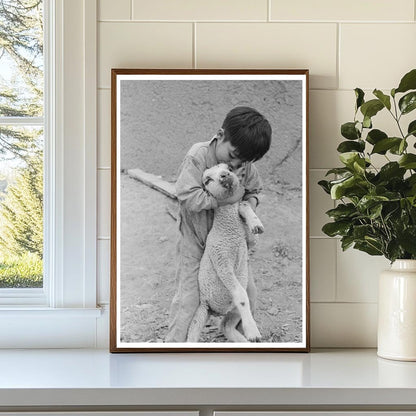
<point x="148" y="266"/>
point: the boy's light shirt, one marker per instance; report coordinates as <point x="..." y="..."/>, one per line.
<point x="196" y="205"/>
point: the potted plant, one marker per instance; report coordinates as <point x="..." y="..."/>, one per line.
<point x="376" y="206"/>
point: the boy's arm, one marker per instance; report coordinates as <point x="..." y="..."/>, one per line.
<point x="253" y="186"/>
<point x="189" y="187"/>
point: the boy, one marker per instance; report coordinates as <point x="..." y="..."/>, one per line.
<point x="245" y="137"/>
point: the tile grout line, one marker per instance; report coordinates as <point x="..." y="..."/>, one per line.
<point x="194" y="63"/>
<point x="310" y="89"/>
<point x="336" y="271"/>
<point x="131" y="9"/>
<point x="344" y="303"/>
<point x="269" y="11"/>
<point x="338" y="63"/>
<point x="308" y="22"/>
<point x="323" y="237"/>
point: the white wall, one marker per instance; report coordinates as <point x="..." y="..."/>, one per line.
<point x="345" y="44"/>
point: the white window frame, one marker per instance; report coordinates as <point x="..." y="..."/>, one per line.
<point x="64" y="313"/>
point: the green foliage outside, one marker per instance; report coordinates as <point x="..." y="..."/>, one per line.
<point x="376" y="210"/>
<point x="21" y="271"/>
<point x="21" y="213"/>
<point x="21" y="95"/>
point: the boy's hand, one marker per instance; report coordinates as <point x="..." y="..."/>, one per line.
<point x="238" y="195"/>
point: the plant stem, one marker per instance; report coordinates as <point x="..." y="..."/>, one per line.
<point x="397" y="118"/>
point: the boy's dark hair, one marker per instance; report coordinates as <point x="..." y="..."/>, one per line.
<point x="249" y="132"/>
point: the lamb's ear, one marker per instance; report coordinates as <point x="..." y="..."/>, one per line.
<point x="206" y="181"/>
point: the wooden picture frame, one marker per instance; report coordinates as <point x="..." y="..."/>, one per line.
<point x="157" y="116"/>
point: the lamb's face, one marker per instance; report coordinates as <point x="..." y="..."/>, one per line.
<point x="220" y="182"/>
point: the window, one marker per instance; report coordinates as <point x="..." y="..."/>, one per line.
<point x="63" y="313"/>
<point x="22" y="128"/>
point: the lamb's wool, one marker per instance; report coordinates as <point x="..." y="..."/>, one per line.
<point x="223" y="274"/>
<point x="226" y="246"/>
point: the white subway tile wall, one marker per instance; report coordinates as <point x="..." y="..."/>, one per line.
<point x="147" y="45"/>
<point x="366" y="48"/>
<point x="339" y="11"/>
<point x="200" y="10"/>
<point x="270" y="45"/>
<point x="357" y="275"/>
<point x="114" y="10"/>
<point x="345" y="44"/>
<point x="104" y="203"/>
<point x="103" y="271"/>
<point x="323" y="269"/>
<point x="339" y="325"/>
<point x="104" y="128"/>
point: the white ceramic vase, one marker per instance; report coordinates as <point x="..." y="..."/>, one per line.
<point x="397" y="312"/>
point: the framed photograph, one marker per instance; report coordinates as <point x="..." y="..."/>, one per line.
<point x="209" y="211"/>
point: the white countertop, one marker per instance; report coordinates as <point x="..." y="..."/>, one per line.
<point x="96" y="377"/>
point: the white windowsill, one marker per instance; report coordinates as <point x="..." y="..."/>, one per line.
<point x="41" y="327"/>
<point x="36" y="312"/>
<point x="323" y="378"/>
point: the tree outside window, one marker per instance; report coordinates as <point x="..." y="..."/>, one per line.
<point x="21" y="143"/>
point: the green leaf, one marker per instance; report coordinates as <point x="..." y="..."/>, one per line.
<point x="412" y="201"/>
<point x="338" y="189"/>
<point x="391" y="170"/>
<point x="371" y="108"/>
<point x="342" y="211"/>
<point x="361" y="231"/>
<point x="385" y="99"/>
<point x="374" y="136"/>
<point x="407" y="240"/>
<point x="359" y="95"/>
<point x="346" y="242"/>
<point x="411" y="130"/>
<point x="399" y="148"/>
<point x="338" y="171"/>
<point x="408" y="102"/>
<point x="349" y="131"/>
<point x="408" y="161"/>
<point x="336" y="228"/>
<point x="411" y="182"/>
<point x="375" y="211"/>
<point x="349" y="158"/>
<point x="368" y="201"/>
<point x="359" y="165"/>
<point x="367" y="122"/>
<point x="354" y="162"/>
<point x="402" y="147"/>
<point x="349" y="146"/>
<point x="383" y="145"/>
<point x="408" y="82"/>
<point x="368" y="248"/>
<point x="394" y="251"/>
<point x="325" y="186"/>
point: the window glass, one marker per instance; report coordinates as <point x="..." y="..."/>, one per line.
<point x="21" y="143"/>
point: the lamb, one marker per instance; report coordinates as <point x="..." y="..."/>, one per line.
<point x="223" y="274"/>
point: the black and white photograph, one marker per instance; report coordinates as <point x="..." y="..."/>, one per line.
<point x="209" y="214"/>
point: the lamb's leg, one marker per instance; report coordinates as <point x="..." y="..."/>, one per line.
<point x="242" y="304"/>
<point x="250" y="218"/>
<point x="252" y="296"/>
<point x="197" y="324"/>
<point x="225" y="272"/>
<point x="229" y="324"/>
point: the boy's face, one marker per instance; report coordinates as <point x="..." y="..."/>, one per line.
<point x="225" y="152"/>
